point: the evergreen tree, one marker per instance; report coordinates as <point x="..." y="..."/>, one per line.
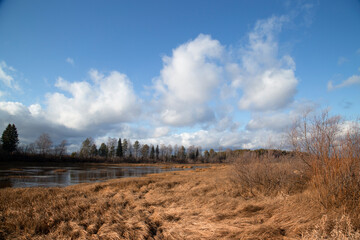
<point x="119" y="150"/>
<point x="157" y="151"/>
<point x="206" y="155"/>
<point x="152" y="152"/>
<point x="145" y="151"/>
<point x="103" y="150"/>
<point x="93" y="150"/>
<point x="10" y="138"/>
<point x="182" y="153"/>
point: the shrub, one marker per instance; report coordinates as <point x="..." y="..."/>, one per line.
<point x="269" y="174"/>
<point x="330" y="148"/>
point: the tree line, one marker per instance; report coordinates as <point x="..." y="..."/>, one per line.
<point x="115" y="150"/>
<point x="125" y="150"/>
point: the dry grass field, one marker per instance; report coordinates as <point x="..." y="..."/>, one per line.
<point x="196" y="204"/>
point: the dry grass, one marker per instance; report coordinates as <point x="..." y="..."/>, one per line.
<point x="340" y="229"/>
<point x="198" y="204"/>
<point x="275" y="199"/>
<point x="324" y="165"/>
<point x="331" y="190"/>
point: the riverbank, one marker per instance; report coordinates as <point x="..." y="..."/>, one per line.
<point x="195" y="204"/>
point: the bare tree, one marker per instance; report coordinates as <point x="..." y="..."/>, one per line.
<point x="60" y="149"/>
<point x="44" y="143"/>
<point x="85" y="150"/>
<point x="112" y="142"/>
<point x="317" y="135"/>
<point x="31" y="148"/>
<point x="169" y="152"/>
<point x="162" y="152"/>
<point x="331" y="154"/>
<point x="136" y="149"/>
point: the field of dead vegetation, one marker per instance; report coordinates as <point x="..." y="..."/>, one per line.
<point x="197" y="204"/>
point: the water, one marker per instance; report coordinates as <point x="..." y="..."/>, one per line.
<point x="61" y="176"/>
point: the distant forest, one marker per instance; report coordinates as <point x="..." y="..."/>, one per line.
<point x="114" y="151"/>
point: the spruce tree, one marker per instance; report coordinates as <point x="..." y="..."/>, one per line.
<point x="93" y="150"/>
<point x="103" y="150"/>
<point x="10" y="138"/>
<point x="157" y="152"/>
<point x="119" y="151"/>
<point x="152" y="152"/>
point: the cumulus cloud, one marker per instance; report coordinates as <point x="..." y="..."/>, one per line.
<point x="266" y="80"/>
<point x="5" y="76"/>
<point x="107" y="99"/>
<point x="77" y="109"/>
<point x="353" y="80"/>
<point x="31" y="122"/>
<point x="96" y="108"/>
<point x="188" y="81"/>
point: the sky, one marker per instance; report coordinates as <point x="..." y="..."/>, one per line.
<point x="216" y="74"/>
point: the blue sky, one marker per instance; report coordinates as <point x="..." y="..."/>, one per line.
<point x="230" y="74"/>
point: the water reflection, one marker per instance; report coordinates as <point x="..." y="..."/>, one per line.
<point x="61" y="176"/>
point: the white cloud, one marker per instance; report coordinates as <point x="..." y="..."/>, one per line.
<point x="30" y="123"/>
<point x="35" y="110"/>
<point x="13" y="108"/>
<point x="96" y="108"/>
<point x="188" y="81"/>
<point x="109" y="99"/>
<point x="161" y="131"/>
<point x="275" y="122"/>
<point x="215" y="139"/>
<point x="6" y="77"/>
<point x="70" y="60"/>
<point x="353" y="80"/>
<point x="267" y="81"/>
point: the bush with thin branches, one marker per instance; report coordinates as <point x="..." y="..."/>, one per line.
<point x="330" y="147"/>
